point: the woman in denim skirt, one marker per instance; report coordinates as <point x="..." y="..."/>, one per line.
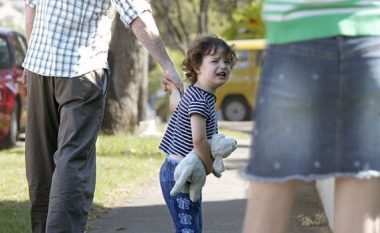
<point x="318" y="113"/>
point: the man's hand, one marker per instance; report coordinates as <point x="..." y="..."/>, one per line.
<point x="190" y="176"/>
<point x="170" y="76"/>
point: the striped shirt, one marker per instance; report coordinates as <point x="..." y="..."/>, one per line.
<point x="297" y="20"/>
<point x="178" y="138"/>
<point x="71" y="37"/>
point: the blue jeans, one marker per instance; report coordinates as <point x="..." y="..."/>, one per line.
<point x="186" y="215"/>
<point x="318" y="111"/>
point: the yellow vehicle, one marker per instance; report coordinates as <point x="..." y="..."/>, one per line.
<point x="237" y="98"/>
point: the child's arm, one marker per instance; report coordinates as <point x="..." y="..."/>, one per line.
<point x="201" y="146"/>
<point x="174" y="96"/>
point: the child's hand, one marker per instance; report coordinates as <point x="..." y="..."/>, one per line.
<point x="170" y="88"/>
<point x="175" y="95"/>
<point x="170" y="76"/>
<point x="190" y="176"/>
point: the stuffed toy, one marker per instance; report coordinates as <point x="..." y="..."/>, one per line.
<point x="190" y="174"/>
<point x="221" y="147"/>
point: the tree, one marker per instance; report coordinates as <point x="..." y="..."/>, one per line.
<point x="179" y="21"/>
<point x="175" y="28"/>
<point x="203" y="16"/>
<point x="127" y="92"/>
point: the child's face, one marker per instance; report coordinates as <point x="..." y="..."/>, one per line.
<point x="214" y="71"/>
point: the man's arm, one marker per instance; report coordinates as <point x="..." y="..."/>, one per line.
<point x="30" y="13"/>
<point x="146" y="31"/>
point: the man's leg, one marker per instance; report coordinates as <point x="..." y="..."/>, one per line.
<point x="40" y="145"/>
<point x="80" y="105"/>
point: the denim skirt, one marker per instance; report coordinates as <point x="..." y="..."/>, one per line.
<point x="318" y="111"/>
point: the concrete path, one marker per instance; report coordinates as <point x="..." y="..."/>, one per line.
<point x="224" y="203"/>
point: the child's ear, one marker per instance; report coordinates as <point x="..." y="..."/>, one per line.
<point x="197" y="70"/>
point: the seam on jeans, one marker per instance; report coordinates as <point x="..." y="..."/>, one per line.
<point x="339" y="121"/>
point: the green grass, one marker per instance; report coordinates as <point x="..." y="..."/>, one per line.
<point x="124" y="165"/>
<point x="14" y="205"/>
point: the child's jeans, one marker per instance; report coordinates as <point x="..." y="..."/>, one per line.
<point x="186" y="215"/>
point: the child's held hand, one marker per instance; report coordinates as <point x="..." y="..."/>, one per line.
<point x="174" y="95"/>
<point x="171" y="88"/>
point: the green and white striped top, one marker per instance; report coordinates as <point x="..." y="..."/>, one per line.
<point x="298" y="20"/>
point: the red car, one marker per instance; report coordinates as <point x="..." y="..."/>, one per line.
<point x="13" y="46"/>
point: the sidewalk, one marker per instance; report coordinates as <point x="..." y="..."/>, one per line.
<point x="147" y="213"/>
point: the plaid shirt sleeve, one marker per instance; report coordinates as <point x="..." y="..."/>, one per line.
<point x="31" y="3"/>
<point x="129" y="10"/>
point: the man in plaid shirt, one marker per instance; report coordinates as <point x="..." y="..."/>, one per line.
<point x="67" y="75"/>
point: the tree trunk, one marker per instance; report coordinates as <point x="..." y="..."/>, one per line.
<point x="203" y="21"/>
<point x="128" y="86"/>
<point x="144" y="91"/>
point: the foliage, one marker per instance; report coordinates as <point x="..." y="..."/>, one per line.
<point x="246" y="23"/>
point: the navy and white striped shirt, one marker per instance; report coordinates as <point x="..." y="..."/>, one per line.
<point x="71" y="37"/>
<point x="178" y="138"/>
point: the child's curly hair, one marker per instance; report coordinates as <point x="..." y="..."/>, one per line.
<point x="202" y="46"/>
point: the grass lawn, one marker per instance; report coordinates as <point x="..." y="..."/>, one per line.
<point x="125" y="164"/>
<point x="14" y="205"/>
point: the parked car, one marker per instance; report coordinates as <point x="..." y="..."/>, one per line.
<point x="237" y="98"/>
<point x="13" y="46"/>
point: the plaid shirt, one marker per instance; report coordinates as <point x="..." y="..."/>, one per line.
<point x="71" y="37"/>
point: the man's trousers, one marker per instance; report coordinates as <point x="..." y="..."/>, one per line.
<point x="64" y="117"/>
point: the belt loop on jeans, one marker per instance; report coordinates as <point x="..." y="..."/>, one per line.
<point x="177" y="158"/>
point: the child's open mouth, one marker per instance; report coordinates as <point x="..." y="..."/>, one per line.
<point x="221" y="75"/>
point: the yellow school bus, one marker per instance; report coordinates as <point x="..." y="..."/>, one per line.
<point x="236" y="99"/>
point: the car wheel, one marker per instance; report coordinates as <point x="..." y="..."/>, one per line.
<point x="236" y="109"/>
<point x="11" y="138"/>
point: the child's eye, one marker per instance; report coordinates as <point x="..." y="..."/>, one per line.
<point x="227" y="62"/>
